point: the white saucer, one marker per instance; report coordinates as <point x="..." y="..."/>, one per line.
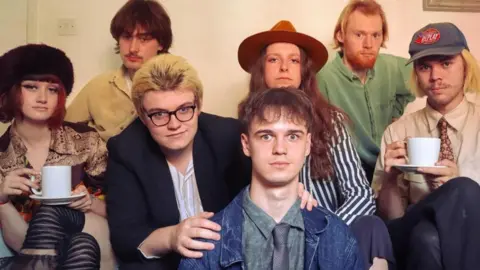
<point x="57" y="201"/>
<point x="409" y="168"/>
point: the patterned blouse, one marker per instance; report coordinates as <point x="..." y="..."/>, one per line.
<point x="76" y="145"/>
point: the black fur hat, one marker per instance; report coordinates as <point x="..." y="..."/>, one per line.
<point x="34" y="59"/>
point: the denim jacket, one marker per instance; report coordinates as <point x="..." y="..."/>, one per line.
<point x="329" y="244"/>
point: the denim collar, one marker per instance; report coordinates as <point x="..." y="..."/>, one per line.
<point x="315" y="221"/>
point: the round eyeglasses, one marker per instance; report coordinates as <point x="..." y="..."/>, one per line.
<point x="162" y="118"/>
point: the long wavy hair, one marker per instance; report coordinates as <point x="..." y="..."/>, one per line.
<point x="326" y="118"/>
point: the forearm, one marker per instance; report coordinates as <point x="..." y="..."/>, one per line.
<point x="14" y="227"/>
<point x="390" y="202"/>
<point x="158" y="242"/>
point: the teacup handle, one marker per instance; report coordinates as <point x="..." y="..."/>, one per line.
<point x="35" y="191"/>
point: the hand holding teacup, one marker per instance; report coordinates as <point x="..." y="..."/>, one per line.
<point x="18" y="182"/>
<point x="395" y="154"/>
<point x="422" y="153"/>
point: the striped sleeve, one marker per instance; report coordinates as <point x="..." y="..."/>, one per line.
<point x="352" y="182"/>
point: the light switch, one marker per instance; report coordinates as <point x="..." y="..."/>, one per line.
<point x="66" y="27"/>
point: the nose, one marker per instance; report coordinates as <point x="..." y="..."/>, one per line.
<point x="174" y="124"/>
<point x="435" y="73"/>
<point x="284" y="66"/>
<point x="367" y="42"/>
<point x="279" y="148"/>
<point x="42" y="95"/>
<point x="134" y="45"/>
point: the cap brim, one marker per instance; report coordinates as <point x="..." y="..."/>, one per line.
<point x="436" y="51"/>
<point x="251" y="48"/>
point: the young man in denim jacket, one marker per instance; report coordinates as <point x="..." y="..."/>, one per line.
<point x="264" y="227"/>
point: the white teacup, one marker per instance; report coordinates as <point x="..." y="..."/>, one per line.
<point x="56" y="182"/>
<point x="423" y="151"/>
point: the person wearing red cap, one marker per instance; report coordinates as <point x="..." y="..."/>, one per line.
<point x="283" y="57"/>
<point x="35" y="81"/>
<point x="434" y="209"/>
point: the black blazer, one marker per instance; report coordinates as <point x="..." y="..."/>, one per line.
<point x="141" y="197"/>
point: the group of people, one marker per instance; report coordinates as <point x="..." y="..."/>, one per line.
<point x="305" y="178"/>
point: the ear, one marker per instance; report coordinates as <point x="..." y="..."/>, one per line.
<point x="142" y="118"/>
<point x="339" y="36"/>
<point x="160" y="48"/>
<point x="245" y="144"/>
<point x="309" y="144"/>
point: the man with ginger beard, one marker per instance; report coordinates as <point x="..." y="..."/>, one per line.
<point x="370" y="87"/>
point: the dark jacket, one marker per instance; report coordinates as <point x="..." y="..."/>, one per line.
<point x="141" y="197"/>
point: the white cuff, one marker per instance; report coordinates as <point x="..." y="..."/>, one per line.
<point x="147" y="256"/>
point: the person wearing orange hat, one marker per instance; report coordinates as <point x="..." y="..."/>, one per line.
<point x="283" y="57"/>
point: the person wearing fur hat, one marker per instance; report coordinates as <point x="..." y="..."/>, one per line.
<point x="283" y="57"/>
<point x="142" y="30"/>
<point x="35" y="81"/>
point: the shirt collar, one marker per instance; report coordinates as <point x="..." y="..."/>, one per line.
<point x="119" y="80"/>
<point x="455" y="118"/>
<point x="345" y="71"/>
<point x="266" y="223"/>
<point x="60" y="142"/>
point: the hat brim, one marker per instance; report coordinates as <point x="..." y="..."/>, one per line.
<point x="251" y="48"/>
<point x="454" y="50"/>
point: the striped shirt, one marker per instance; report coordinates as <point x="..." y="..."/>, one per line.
<point x="347" y="192"/>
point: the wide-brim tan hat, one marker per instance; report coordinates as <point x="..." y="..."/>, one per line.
<point x="284" y="31"/>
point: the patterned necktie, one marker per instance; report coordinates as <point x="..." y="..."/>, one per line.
<point x="280" y="247"/>
<point x="446" y="151"/>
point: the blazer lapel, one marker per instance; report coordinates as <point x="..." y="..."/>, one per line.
<point x="159" y="185"/>
<point x="210" y="183"/>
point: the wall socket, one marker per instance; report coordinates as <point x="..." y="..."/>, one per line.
<point x="66" y="27"/>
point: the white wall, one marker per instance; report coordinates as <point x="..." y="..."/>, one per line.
<point x="208" y="33"/>
<point x="13" y="24"/>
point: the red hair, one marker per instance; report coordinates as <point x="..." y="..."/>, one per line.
<point x="12" y="102"/>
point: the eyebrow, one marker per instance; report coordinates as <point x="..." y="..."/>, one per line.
<point x="277" y="54"/>
<point x="28" y="81"/>
<point x="153" y="110"/>
<point x="435" y="58"/>
<point x="270" y="132"/>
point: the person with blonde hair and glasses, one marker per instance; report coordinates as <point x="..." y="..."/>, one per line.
<point x="434" y="209"/>
<point x="171" y="169"/>
<point x="371" y="87"/>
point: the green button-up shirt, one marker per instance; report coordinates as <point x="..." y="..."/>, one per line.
<point x="370" y="106"/>
<point x="258" y="236"/>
